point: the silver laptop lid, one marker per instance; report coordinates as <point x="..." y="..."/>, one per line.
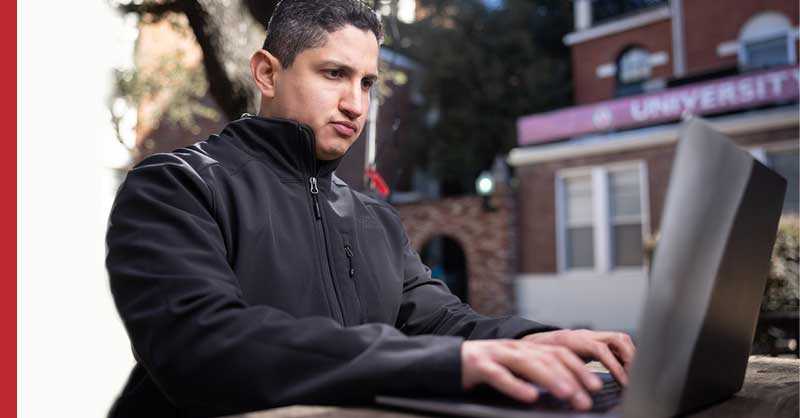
<point x="707" y="277"/>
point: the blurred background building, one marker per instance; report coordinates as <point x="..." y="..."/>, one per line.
<point x="593" y="176"/>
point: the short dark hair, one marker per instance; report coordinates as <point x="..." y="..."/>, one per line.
<point x="297" y="25"/>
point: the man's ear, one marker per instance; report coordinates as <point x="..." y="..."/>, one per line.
<point x="265" y="68"/>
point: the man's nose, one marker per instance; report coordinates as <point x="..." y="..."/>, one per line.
<point x="352" y="103"/>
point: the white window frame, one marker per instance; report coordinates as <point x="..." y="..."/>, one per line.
<point x="790" y="46"/>
<point x="561" y="220"/>
<point x="603" y="259"/>
<point x="789" y="32"/>
<point x="646" y="56"/>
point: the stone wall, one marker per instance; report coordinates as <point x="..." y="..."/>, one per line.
<point x="486" y="237"/>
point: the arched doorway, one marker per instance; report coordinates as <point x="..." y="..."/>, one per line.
<point x="447" y="262"/>
<point x="485" y="242"/>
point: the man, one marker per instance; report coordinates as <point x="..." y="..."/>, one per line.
<point x="248" y="276"/>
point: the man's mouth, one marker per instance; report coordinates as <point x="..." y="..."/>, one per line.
<point x="345" y="128"/>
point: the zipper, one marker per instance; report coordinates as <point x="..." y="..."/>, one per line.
<point x="349" y="252"/>
<point x="314" y="194"/>
<point x="314" y="189"/>
<point x="313" y="179"/>
<point x="351" y="271"/>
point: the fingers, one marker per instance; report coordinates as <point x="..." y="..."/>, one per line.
<point x="614" y="349"/>
<point x="553" y="368"/>
<point x="622" y="345"/>
<point x="547" y="371"/>
<point x="603" y="353"/>
<point x="501" y="379"/>
<point x="509" y="366"/>
<point x="579" y="369"/>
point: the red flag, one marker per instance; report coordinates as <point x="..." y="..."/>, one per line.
<point x="377" y="180"/>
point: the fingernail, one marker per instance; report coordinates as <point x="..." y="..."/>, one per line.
<point x="582" y="401"/>
<point x="596" y="383"/>
<point x="533" y="395"/>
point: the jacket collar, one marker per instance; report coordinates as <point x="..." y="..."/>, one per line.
<point x="288" y="144"/>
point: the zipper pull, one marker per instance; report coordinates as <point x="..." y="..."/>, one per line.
<point x="349" y="252"/>
<point x="314" y="193"/>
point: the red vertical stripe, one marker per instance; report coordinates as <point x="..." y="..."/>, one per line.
<point x="8" y="208"/>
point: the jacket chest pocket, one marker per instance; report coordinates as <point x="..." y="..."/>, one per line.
<point x="369" y="265"/>
<point x="347" y="282"/>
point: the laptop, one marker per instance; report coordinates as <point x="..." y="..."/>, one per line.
<point x="707" y="279"/>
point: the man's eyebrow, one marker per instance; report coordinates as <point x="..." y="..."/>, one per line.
<point x="348" y="69"/>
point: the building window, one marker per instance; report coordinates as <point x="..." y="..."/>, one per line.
<point x="765" y="53"/>
<point x="603" y="218"/>
<point x="579" y="234"/>
<point x="626" y="217"/>
<point x="633" y="71"/>
<point x="766" y="40"/>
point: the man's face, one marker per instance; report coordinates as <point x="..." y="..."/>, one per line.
<point x="328" y="88"/>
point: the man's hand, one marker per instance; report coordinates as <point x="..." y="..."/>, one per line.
<point x="614" y="349"/>
<point x="556" y="368"/>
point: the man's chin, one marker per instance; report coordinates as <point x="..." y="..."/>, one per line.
<point x="336" y="149"/>
<point x="327" y="155"/>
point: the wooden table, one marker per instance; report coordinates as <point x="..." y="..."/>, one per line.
<point x="771" y="390"/>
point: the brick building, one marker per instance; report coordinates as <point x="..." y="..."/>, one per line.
<point x="592" y="177"/>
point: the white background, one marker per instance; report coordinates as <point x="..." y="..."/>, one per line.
<point x="73" y="354"/>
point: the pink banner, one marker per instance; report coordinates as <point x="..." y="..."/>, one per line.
<point x="724" y="94"/>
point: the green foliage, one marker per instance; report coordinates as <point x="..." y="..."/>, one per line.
<point x="182" y="86"/>
<point x="782" y="292"/>
<point x="483" y="70"/>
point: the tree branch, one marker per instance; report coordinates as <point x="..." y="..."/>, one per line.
<point x="152" y="8"/>
<point x="225" y="53"/>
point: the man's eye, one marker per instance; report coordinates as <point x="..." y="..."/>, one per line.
<point x="333" y="73"/>
<point x="367" y="84"/>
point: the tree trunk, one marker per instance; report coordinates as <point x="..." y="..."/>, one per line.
<point x="227" y="35"/>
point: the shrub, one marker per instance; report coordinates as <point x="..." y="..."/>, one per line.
<point x="782" y="292"/>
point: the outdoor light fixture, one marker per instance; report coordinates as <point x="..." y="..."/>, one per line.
<point x="484" y="185"/>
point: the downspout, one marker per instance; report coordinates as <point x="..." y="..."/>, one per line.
<point x="678" y="42"/>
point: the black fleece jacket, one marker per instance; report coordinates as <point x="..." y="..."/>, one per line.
<point x="248" y="276"/>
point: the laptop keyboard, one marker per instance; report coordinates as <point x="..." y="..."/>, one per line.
<point x="606" y="398"/>
<point x="603" y="400"/>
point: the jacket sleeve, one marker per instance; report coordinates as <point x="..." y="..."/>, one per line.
<point x="206" y="348"/>
<point x="428" y="307"/>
